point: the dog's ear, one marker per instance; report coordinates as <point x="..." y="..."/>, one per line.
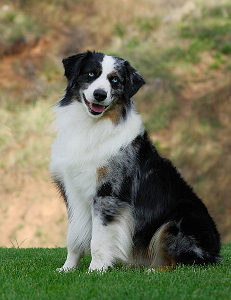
<point x="133" y="81"/>
<point x="72" y="65"/>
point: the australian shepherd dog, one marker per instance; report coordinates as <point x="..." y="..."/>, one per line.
<point x="125" y="202"/>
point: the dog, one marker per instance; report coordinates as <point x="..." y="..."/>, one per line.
<point x="125" y="202"/>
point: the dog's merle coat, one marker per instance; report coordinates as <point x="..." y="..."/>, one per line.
<point x="124" y="201"/>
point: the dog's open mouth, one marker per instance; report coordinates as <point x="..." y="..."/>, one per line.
<point x="94" y="108"/>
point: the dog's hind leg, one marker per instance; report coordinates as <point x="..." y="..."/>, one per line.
<point x="111" y="238"/>
<point x="156" y="252"/>
<point x="185" y="241"/>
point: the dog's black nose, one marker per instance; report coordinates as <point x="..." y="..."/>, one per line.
<point x="100" y="95"/>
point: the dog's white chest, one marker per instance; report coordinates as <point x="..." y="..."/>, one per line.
<point x="73" y="163"/>
<point x="83" y="145"/>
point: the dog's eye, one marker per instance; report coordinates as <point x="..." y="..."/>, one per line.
<point x="91" y="74"/>
<point x="115" y="80"/>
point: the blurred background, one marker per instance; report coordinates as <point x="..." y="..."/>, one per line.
<point x="181" y="48"/>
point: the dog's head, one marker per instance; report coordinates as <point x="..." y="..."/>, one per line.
<point x="98" y="81"/>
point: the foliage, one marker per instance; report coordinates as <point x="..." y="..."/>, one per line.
<point x="210" y="32"/>
<point x="16" y="25"/>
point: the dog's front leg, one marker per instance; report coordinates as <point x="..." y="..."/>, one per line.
<point x="73" y="258"/>
<point x="75" y="252"/>
<point x="101" y="245"/>
<point x="112" y="228"/>
<point x="78" y="237"/>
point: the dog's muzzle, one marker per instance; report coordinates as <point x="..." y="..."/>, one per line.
<point x="100" y="95"/>
<point x="95" y="108"/>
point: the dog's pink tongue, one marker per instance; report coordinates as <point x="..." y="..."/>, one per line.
<point x="97" y="108"/>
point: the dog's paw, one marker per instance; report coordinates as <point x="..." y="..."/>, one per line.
<point x="65" y="269"/>
<point x="99" y="267"/>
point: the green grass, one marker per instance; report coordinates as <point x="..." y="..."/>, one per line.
<point x="29" y="274"/>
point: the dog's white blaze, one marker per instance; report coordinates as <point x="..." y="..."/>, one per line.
<point x="82" y="146"/>
<point x="108" y="65"/>
<point x="102" y="82"/>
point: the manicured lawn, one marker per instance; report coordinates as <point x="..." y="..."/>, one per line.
<point x="29" y="274"/>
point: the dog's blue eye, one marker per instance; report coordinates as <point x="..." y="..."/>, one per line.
<point x="115" y="80"/>
<point x="91" y="74"/>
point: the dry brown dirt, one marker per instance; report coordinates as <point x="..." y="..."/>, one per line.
<point x="33" y="217"/>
